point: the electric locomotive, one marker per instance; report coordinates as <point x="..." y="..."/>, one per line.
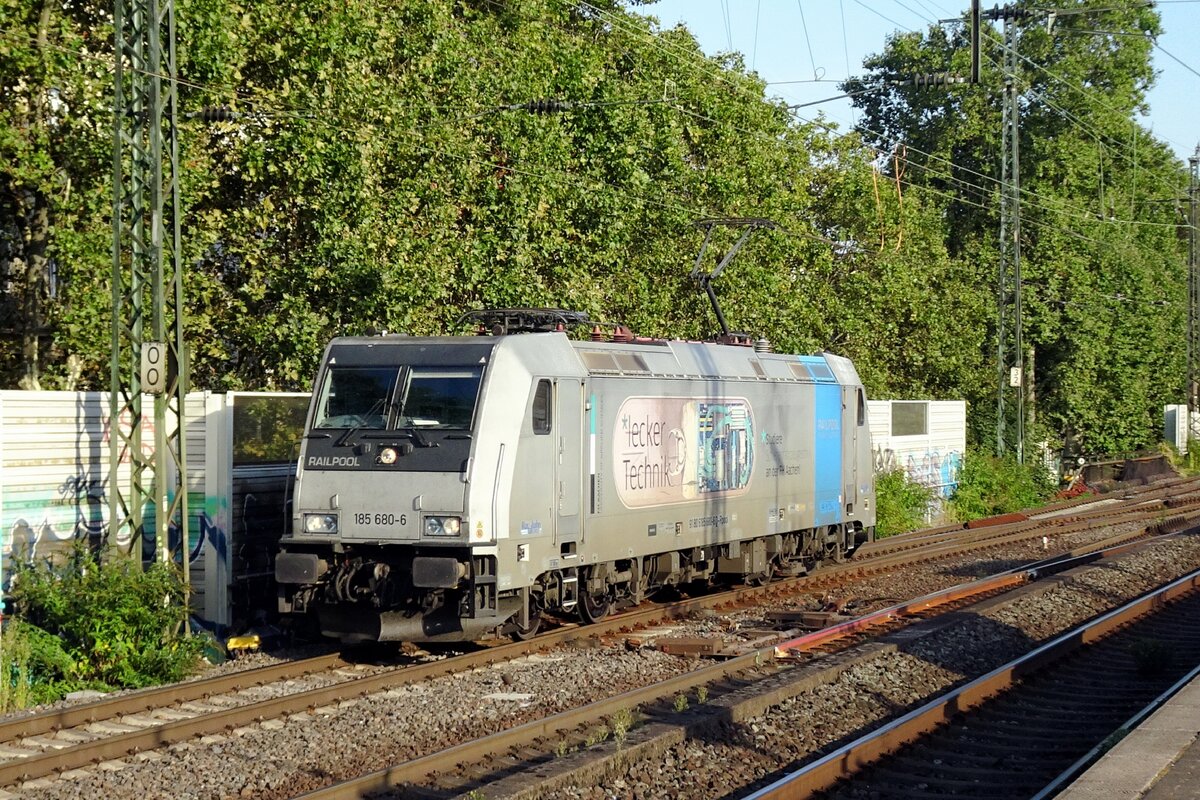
<point x="454" y="487"/>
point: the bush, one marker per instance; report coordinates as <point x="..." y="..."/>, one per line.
<point x="988" y="486"/>
<point x="36" y="668"/>
<point x="900" y="503"/>
<point x="100" y="624"/>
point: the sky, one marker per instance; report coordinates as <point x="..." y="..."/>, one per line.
<point x="804" y="48"/>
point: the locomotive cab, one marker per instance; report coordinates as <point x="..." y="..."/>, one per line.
<point x="382" y="492"/>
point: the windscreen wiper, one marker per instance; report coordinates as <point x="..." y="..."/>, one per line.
<point x="415" y="435"/>
<point x="344" y="439"/>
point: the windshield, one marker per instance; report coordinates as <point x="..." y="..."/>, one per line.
<point x="421" y="397"/>
<point x="440" y="398"/>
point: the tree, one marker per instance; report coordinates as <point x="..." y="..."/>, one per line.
<point x="1103" y="270"/>
<point x="54" y="161"/>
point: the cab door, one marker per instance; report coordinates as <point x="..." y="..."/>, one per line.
<point x="568" y="468"/>
<point x="854" y="405"/>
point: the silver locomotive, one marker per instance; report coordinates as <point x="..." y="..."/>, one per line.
<point x="454" y="487"/>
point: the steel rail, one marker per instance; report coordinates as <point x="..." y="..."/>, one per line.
<point x="993" y="583"/>
<point x="443" y="761"/>
<point x="1070" y="773"/>
<point x="117" y="746"/>
<point x="1161" y="490"/>
<point x="850" y="758"/>
<point x="160" y="696"/>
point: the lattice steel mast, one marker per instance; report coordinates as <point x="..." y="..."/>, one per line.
<point x="1193" y="318"/>
<point x="1010" y="348"/>
<point x="147" y="285"/>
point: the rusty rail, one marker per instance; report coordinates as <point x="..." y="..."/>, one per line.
<point x="846" y="760"/>
<point x="423" y="768"/>
<point x="81" y="755"/>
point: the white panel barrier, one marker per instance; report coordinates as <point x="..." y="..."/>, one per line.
<point x="54" y="481"/>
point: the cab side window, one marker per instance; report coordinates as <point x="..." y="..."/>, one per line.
<point x="541" y="407"/>
<point x="862" y="408"/>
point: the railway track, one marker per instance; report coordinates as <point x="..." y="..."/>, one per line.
<point x="81" y="736"/>
<point x="1030" y="726"/>
<point x="505" y="764"/>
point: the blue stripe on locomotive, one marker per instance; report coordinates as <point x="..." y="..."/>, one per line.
<point x="827" y="438"/>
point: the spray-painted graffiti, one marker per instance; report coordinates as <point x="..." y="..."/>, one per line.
<point x="85" y="494"/>
<point x="201" y="531"/>
<point x="930" y="468"/>
<point x="36" y="521"/>
<point x="885" y="459"/>
<point x="39" y="524"/>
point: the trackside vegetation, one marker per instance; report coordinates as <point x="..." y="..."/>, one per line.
<point x="901" y="504"/>
<point x="987" y="486"/>
<point x="93" y="624"/>
<point x="388" y="166"/>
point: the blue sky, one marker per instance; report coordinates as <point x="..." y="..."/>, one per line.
<point x="804" y="47"/>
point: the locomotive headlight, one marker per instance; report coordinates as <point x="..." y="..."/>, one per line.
<point x="387" y="455"/>
<point x="320" y="523"/>
<point x="442" y="526"/>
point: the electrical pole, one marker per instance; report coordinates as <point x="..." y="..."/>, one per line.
<point x="1010" y="349"/>
<point x="148" y="355"/>
<point x="1193" y="322"/>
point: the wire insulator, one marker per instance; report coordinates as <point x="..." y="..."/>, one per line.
<point x="218" y="114"/>
<point x="937" y="79"/>
<point x="546" y="106"/>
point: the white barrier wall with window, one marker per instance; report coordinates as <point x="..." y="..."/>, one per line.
<point x="925" y="438"/>
<point x="241" y="453"/>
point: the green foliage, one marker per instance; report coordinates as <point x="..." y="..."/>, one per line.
<point x="102" y="624"/>
<point x="622" y="722"/>
<point x="596" y="736"/>
<point x="1103" y="266"/>
<point x="383" y="176"/>
<point x="36" y="667"/>
<point x="988" y="486"/>
<point x="1187" y="464"/>
<point x="266" y="429"/>
<point x="900" y="503"/>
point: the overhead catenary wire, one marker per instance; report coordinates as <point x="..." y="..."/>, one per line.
<point x="808" y="40"/>
<point x="623" y="191"/>
<point x="881" y="15"/>
<point x="1091" y="96"/>
<point x="1140" y="35"/>
<point x="219" y="113"/>
<point x="1029" y="61"/>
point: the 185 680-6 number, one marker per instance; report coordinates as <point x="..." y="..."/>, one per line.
<point x="380" y="519"/>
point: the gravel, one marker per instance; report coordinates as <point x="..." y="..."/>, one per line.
<point x="866" y="695"/>
<point x="283" y="758"/>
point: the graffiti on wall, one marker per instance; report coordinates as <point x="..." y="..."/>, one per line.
<point x="931" y="468"/>
<point x="39" y="524"/>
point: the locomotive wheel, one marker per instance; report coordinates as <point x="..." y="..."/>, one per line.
<point x="525" y="634"/>
<point x="592" y="608"/>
